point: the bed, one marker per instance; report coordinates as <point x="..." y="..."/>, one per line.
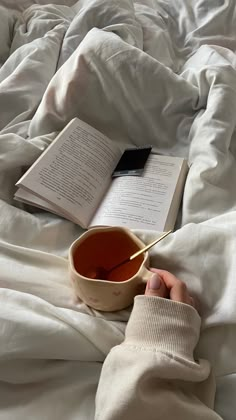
<point x="142" y="72"/>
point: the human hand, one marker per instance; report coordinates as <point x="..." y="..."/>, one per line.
<point x="165" y="285"/>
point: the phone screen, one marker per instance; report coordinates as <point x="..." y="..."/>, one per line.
<point x="132" y="162"/>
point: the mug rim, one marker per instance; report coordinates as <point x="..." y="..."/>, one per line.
<point x="119" y="228"/>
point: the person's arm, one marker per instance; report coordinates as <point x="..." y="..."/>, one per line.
<point x="152" y="375"/>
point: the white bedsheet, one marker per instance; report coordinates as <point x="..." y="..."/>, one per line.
<point x="159" y="72"/>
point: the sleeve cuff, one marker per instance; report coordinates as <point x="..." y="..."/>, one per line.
<point x="163" y="325"/>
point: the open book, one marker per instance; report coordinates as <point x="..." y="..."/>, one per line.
<point x="73" y="178"/>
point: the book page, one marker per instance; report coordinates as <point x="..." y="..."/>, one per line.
<point x="74" y="172"/>
<point x="32" y="200"/>
<point x="141" y="202"/>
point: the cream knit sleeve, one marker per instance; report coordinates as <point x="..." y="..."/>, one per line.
<point x="152" y="375"/>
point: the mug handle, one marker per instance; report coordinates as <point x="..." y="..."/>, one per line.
<point x="146" y="275"/>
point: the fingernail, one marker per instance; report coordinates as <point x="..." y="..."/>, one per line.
<point x="154" y="282"/>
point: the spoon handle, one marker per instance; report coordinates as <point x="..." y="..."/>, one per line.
<point x="139" y="252"/>
<point x="149" y="245"/>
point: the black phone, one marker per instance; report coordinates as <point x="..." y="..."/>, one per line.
<point x="133" y="161"/>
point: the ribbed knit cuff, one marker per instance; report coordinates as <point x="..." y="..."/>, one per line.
<point x="163" y="325"/>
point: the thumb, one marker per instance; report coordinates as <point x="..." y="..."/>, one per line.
<point x="156" y="287"/>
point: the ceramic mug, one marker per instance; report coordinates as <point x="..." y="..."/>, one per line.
<point x="105" y="247"/>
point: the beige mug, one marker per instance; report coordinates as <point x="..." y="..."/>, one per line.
<point x="106" y="247"/>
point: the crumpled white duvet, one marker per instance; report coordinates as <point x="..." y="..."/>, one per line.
<point x="157" y="72"/>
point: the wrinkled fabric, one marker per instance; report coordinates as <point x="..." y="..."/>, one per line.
<point x="145" y="72"/>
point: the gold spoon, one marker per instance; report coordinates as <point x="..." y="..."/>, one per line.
<point x="102" y="273"/>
